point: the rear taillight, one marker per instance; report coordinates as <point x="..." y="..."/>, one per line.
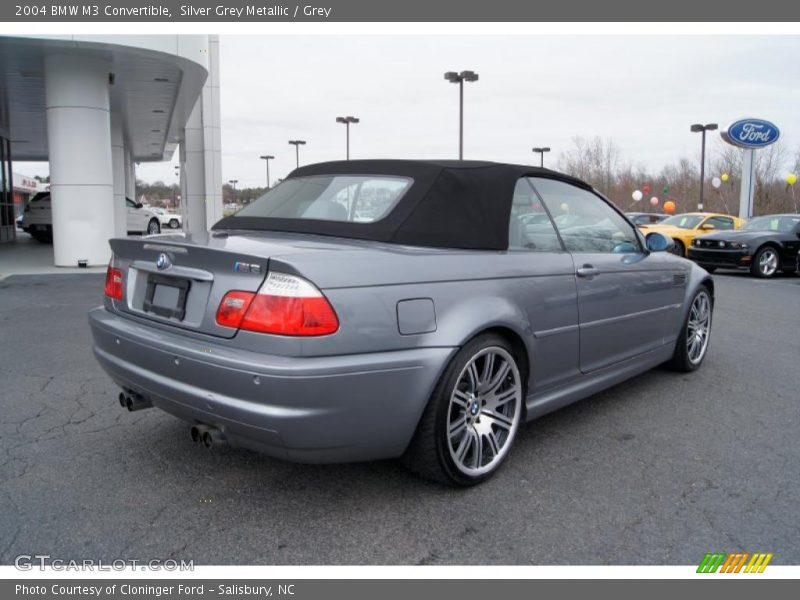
<point x="285" y="305"/>
<point x="113" y="287"/>
<point x="233" y="307"/>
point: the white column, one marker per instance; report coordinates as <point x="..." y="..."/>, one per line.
<point x="118" y="166"/>
<point x="79" y="148"/>
<point x="212" y="132"/>
<point x="193" y="173"/>
<point x="201" y="163"/>
<point x="130" y="175"/>
<point x="748" y="183"/>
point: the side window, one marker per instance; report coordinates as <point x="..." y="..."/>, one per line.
<point x="584" y="220"/>
<point x="530" y="227"/>
<point x="720" y="222"/>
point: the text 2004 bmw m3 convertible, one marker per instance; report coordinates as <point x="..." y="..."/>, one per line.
<point x="372" y="309"/>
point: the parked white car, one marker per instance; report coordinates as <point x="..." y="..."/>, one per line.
<point x="168" y="219"/>
<point x="38" y="218"/>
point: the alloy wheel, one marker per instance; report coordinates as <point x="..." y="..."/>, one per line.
<point x="698" y="328"/>
<point x="768" y="262"/>
<point x="484" y="411"/>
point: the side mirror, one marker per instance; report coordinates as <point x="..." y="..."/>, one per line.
<point x="707" y="227"/>
<point x="138" y="205"/>
<point x="658" y="242"/>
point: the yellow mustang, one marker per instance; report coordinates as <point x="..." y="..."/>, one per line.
<point x="684" y="228"/>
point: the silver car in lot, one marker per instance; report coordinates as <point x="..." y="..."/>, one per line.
<point x="419" y="309"/>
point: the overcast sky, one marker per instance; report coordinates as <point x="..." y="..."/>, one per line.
<point x="642" y="92"/>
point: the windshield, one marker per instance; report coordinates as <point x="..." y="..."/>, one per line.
<point x="683" y="221"/>
<point x="347" y="198"/>
<point x="772" y="223"/>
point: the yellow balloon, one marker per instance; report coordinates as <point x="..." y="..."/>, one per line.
<point x="725" y="177"/>
<point x="791" y="179"/>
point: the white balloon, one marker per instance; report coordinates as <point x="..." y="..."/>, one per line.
<point x="637" y="195"/>
<point x="716" y="182"/>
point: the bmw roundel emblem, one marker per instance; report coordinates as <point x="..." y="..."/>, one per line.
<point x="163" y="262"/>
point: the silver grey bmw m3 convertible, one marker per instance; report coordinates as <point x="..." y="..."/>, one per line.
<point x="419" y="309"/>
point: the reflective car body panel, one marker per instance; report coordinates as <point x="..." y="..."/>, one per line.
<point x="403" y="312"/>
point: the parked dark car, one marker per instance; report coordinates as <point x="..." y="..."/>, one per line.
<point x="765" y="246"/>
<point x="380" y="308"/>
<point x="640" y="218"/>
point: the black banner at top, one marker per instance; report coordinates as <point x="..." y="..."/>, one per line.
<point x="709" y="11"/>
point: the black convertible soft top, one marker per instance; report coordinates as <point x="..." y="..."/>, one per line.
<point x="451" y="204"/>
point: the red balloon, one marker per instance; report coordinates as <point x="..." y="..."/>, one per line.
<point x="646" y="189"/>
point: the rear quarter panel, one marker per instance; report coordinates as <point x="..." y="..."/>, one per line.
<point x="530" y="294"/>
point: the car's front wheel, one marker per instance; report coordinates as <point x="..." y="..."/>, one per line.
<point x="765" y="262"/>
<point x="473" y="416"/>
<point x="153" y="227"/>
<point x="692" y="344"/>
<point x="173" y="223"/>
<point x="677" y="248"/>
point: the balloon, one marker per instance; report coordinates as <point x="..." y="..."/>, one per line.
<point x="716" y="182"/>
<point x="669" y="207"/>
<point x="653" y="201"/>
<point x="564" y="207"/>
<point x="665" y="189"/>
<point x="637" y="195"/>
<point x="646" y="189"/>
<point x="725" y="177"/>
<point x="791" y="179"/>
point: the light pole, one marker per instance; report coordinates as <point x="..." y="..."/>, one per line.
<point x="266" y="158"/>
<point x="460" y="78"/>
<point x="540" y="152"/>
<point x="347" y="121"/>
<point x="233" y="183"/>
<point x="699" y="128"/>
<point x="297" y="144"/>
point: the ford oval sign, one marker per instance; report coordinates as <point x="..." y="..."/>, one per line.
<point x="753" y="133"/>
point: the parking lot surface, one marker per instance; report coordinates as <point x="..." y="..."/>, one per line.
<point x="659" y="470"/>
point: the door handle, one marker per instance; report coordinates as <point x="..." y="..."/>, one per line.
<point x="587" y="271"/>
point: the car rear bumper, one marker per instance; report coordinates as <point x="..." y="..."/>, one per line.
<point x="313" y="409"/>
<point x="723" y="259"/>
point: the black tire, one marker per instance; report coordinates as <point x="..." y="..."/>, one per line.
<point x="709" y="268"/>
<point x="429" y="454"/>
<point x="173" y="223"/>
<point x="681" y="360"/>
<point x="678" y="249"/>
<point x="153" y="227"/>
<point x="759" y="270"/>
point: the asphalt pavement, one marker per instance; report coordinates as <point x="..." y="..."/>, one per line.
<point x="658" y="470"/>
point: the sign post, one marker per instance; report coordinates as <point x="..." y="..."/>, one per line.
<point x="750" y="135"/>
<point x="748" y="185"/>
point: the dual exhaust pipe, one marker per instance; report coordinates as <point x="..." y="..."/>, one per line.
<point x="207" y="435"/>
<point x="133" y="401"/>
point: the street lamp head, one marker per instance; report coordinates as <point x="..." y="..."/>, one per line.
<point x="452" y="77"/>
<point x="267" y="157"/>
<point x="352" y="119"/>
<point x="711" y="126"/>
<point x="297" y="142"/>
<point x="540" y="150"/>
<point x="696" y="128"/>
<point x="469" y="75"/>
<point x="345" y="120"/>
<point x="341" y="120"/>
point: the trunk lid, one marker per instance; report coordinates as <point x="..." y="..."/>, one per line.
<point x="179" y="281"/>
